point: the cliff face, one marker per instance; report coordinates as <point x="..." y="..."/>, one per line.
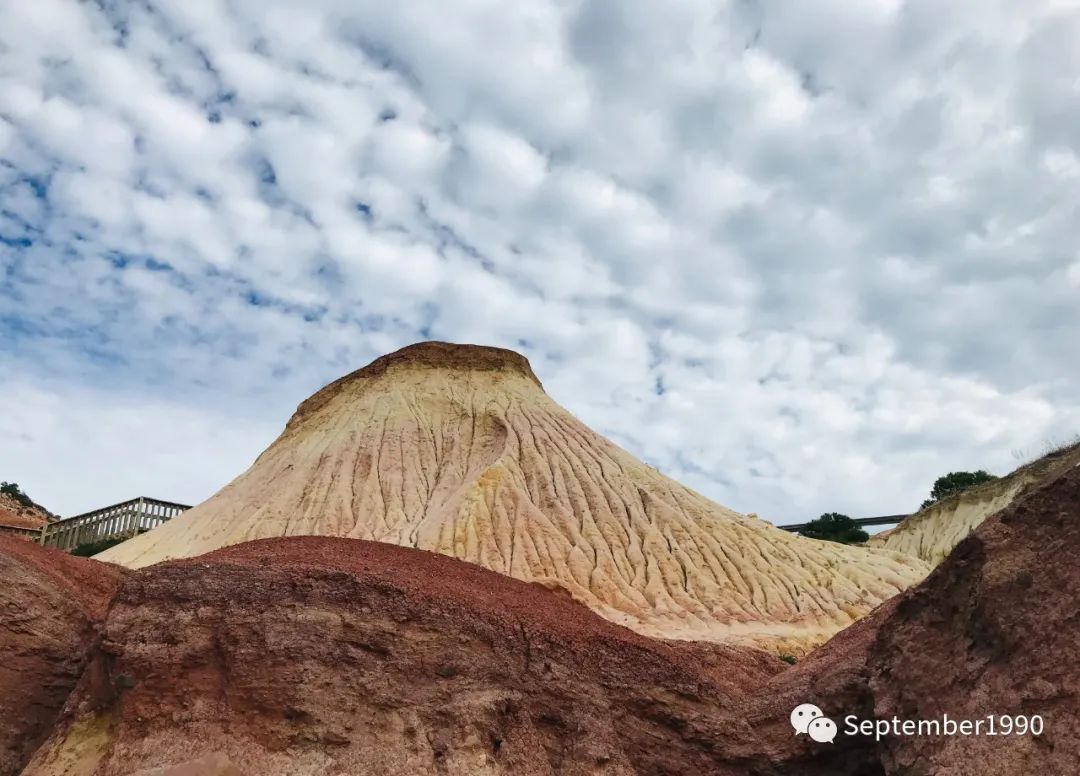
<point x="931" y="533"/>
<point x="313" y="655"/>
<point x="50" y="606"/>
<point x="993" y="630"/>
<point x="458" y="450"/>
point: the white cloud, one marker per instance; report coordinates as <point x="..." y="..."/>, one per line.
<point x="805" y="257"/>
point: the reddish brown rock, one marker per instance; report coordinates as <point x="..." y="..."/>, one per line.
<point x="18" y="511"/>
<point x="312" y="655"/>
<point x="994" y="630"/>
<point x="50" y="605"/>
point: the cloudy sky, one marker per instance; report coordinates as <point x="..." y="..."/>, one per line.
<point x="801" y="256"/>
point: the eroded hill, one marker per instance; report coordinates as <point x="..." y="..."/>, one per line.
<point x="931" y="533"/>
<point x="457" y="449"/>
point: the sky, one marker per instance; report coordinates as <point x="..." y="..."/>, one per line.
<point x="803" y="257"/>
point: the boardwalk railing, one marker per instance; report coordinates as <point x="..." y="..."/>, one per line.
<point x="33" y="534"/>
<point x="119" y="521"/>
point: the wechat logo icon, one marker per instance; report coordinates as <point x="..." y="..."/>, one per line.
<point x="808" y="718"/>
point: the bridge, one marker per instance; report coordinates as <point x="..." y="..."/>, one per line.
<point x="860" y="521"/>
<point x="118" y="521"/>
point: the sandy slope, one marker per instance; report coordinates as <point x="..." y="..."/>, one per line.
<point x="931" y="533"/>
<point x="457" y="449"/>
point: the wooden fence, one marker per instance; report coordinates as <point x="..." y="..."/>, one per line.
<point x="119" y="521"/>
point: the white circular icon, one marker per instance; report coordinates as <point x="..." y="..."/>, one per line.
<point x="802" y="715"/>
<point x="822" y="729"/>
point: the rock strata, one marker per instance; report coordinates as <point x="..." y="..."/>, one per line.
<point x="313" y="655"/>
<point x="50" y="606"/>
<point x="457" y="449"/>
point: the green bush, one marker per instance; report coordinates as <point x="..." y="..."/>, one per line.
<point x="835" y="527"/>
<point x="93" y="548"/>
<point x="954" y="482"/>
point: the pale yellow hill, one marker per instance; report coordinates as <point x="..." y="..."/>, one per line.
<point x="931" y="533"/>
<point x="457" y="449"/>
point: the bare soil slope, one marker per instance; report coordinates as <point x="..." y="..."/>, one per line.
<point x="457" y="449"/>
<point x="50" y="605"/>
<point x="18" y="514"/>
<point x="931" y="533"/>
<point x="994" y="629"/>
<point x="313" y="655"/>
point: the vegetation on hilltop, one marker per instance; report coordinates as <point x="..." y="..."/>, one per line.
<point x="954" y="482"/>
<point x="16" y="494"/>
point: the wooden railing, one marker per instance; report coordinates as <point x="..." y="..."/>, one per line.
<point x="119" y="521"/>
<point x="34" y="534"/>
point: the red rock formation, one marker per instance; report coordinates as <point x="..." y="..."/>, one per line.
<point x="313" y="655"/>
<point x="995" y="629"/>
<point x="50" y="604"/>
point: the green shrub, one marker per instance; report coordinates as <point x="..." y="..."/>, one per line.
<point x="87" y="549"/>
<point x="835" y="527"/>
<point x="954" y="482"/>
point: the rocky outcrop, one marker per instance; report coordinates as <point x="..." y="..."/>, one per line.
<point x="310" y="656"/>
<point x="18" y="511"/>
<point x="931" y="533"/>
<point x="457" y="449"/>
<point x="993" y="630"/>
<point x="50" y="605"/>
<point x="314" y="655"/>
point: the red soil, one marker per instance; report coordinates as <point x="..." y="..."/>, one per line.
<point x="317" y="655"/>
<point x="995" y="629"/>
<point x="50" y="606"/>
<point x="449" y="588"/>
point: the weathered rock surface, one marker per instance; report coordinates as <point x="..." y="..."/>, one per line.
<point x="313" y="655"/>
<point x="458" y="450"/>
<point x="21" y="512"/>
<point x="994" y="630"/>
<point x="50" y="604"/>
<point x="931" y="533"/>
